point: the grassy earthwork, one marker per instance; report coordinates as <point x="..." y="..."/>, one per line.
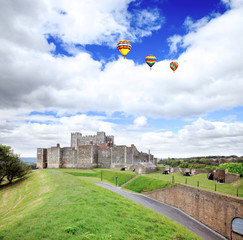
<point x="201" y="181"/>
<point x="54" y="204"/>
<point x="157" y="180"/>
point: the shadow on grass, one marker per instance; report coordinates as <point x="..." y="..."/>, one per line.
<point x="15" y="182"/>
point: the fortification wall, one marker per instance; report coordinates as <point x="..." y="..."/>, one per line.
<point x="41" y="161"/>
<point x="231" y="177"/>
<point x="69" y="157"/>
<point x="213" y="209"/>
<point x="118" y="155"/>
<point x="143" y="157"/>
<point x="54" y="155"/>
<point x="198" y="171"/>
<point x="104" y="158"/>
<point x="129" y="155"/>
<point x="87" y="156"/>
<point x="94" y="155"/>
<point x="98" y="139"/>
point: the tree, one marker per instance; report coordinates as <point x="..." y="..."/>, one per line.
<point x="4" y="152"/>
<point x="11" y="166"/>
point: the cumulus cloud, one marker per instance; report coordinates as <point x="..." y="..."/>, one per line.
<point x="103" y="22"/>
<point x="140" y="122"/>
<point x="209" y="75"/>
<point x="200" y="138"/>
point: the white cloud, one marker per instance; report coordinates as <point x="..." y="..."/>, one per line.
<point x="174" y="41"/>
<point x="233" y="3"/>
<point x="193" y="26"/>
<point x="209" y="76"/>
<point x="103" y="22"/>
<point x="140" y="122"/>
<point x="201" y="138"/>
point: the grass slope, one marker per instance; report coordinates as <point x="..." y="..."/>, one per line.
<point x="155" y="180"/>
<point x="146" y="184"/>
<point x="108" y="175"/>
<point x="201" y="179"/>
<point x="52" y="204"/>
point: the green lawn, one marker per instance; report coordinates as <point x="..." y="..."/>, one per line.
<point x="201" y="179"/>
<point x="153" y="181"/>
<point x="52" y="204"/>
<point x="108" y="175"/>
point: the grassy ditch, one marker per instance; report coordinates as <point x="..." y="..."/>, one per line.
<point x="146" y="184"/>
<point x="52" y="204"/>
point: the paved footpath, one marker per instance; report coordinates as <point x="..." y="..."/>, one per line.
<point x="169" y="211"/>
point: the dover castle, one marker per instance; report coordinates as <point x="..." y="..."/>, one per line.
<point x="97" y="151"/>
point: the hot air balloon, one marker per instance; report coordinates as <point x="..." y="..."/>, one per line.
<point x="174" y="66"/>
<point x="124" y="47"/>
<point x="150" y="60"/>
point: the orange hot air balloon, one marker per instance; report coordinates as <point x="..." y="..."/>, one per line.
<point x="124" y="47"/>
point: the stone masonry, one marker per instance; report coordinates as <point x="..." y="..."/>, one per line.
<point x="92" y="152"/>
<point x="214" y="209"/>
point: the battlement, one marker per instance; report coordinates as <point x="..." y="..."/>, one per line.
<point x="77" y="139"/>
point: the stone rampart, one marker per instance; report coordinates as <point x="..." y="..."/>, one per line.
<point x="53" y="157"/>
<point x="69" y="157"/>
<point x="231" y="177"/>
<point x="118" y="154"/>
<point x="199" y="171"/>
<point x="104" y="158"/>
<point x="87" y="156"/>
<point x="213" y="209"/>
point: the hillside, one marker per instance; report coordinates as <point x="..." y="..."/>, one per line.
<point x="51" y="204"/>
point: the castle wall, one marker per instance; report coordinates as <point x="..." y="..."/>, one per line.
<point x="215" y="210"/>
<point x="129" y="155"/>
<point x="69" y="157"/>
<point x="104" y="158"/>
<point x="118" y="156"/>
<point x="41" y="158"/>
<point x="87" y="156"/>
<point x="54" y="155"/>
<point x="99" y="139"/>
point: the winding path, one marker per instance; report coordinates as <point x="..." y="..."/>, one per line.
<point x="169" y="211"/>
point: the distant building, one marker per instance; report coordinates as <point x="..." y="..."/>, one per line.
<point x="93" y="151"/>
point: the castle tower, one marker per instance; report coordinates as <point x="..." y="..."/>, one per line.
<point x="74" y="139"/>
<point x="100" y="138"/>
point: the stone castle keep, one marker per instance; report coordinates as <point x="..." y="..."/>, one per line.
<point x="97" y="151"/>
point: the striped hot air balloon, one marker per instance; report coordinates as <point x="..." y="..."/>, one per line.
<point x="174" y="66"/>
<point x="150" y="60"/>
<point x="124" y="47"/>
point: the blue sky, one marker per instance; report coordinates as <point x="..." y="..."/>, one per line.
<point x="172" y="15"/>
<point x="61" y="72"/>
